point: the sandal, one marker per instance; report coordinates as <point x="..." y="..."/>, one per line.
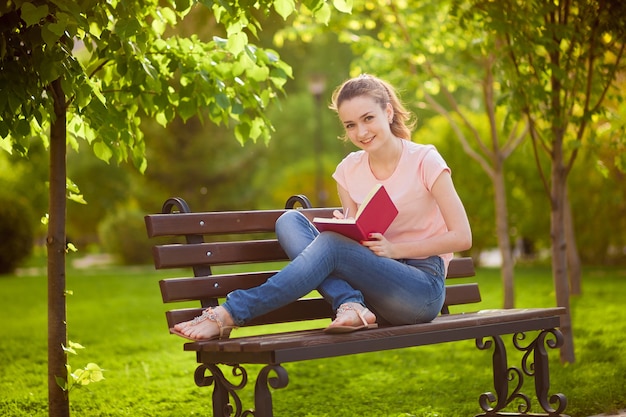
<point x="211" y="315"/>
<point x="344" y="310"/>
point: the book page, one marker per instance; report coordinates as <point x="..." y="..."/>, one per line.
<point x="367" y="199"/>
<point x="333" y="220"/>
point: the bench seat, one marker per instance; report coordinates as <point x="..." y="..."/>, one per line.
<point x="315" y="344"/>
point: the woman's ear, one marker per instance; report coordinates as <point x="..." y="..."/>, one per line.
<point x="389" y="111"/>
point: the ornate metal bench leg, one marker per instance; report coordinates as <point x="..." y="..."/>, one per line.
<point x="534" y="363"/>
<point x="226" y="401"/>
<point x="540" y="369"/>
<point x="262" y="394"/>
<point x="223" y="390"/>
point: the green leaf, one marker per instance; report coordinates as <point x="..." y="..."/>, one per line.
<point x="22" y="127"/>
<point x="75" y="345"/>
<point x="95" y="372"/>
<point x="182" y="5"/>
<point x="49" y="37"/>
<point x="69" y="350"/>
<point x="32" y="14"/>
<point x="284" y="8"/>
<point x="222" y="101"/>
<point x="161" y="119"/>
<point x="259" y="74"/>
<point x="102" y="151"/>
<point x="61" y="382"/>
<point x="242" y="132"/>
<point x="322" y="15"/>
<point x="71" y="186"/>
<point x="58" y="28"/>
<point x="149" y="69"/>
<point x="4" y="132"/>
<point x="237" y="42"/>
<point x="187" y="108"/>
<point x="344" y="6"/>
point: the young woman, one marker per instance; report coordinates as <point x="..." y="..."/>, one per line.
<point x="395" y="278"/>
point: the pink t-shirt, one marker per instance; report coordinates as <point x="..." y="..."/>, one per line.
<point x="409" y="187"/>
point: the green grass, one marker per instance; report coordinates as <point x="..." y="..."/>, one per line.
<point x="117" y="314"/>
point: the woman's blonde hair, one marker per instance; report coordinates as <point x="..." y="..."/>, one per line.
<point x="382" y="93"/>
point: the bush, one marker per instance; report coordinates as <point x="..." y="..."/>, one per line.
<point x="123" y="234"/>
<point x="16" y="233"/>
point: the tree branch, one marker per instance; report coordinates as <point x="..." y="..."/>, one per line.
<point x="460" y="135"/>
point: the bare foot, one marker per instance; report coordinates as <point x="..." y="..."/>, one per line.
<point x="214" y="323"/>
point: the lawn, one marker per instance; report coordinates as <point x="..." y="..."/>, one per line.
<point x="117" y="314"/>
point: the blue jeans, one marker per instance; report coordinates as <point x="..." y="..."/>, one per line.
<point x="403" y="291"/>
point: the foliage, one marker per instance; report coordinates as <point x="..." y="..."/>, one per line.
<point x="601" y="191"/>
<point x="17" y="231"/>
<point x="561" y="63"/>
<point x="115" y="70"/>
<point x="81" y="377"/>
<point x="119" y="316"/>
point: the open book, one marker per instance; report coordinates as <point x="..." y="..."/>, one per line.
<point x="375" y="215"/>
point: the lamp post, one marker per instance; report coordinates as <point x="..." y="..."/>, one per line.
<point x="317" y="86"/>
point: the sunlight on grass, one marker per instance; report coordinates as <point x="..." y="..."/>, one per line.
<point x="118" y="315"/>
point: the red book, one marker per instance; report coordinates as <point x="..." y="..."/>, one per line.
<point x="375" y="215"/>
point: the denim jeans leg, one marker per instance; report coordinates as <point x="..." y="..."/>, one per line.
<point x="295" y="232"/>
<point x="400" y="293"/>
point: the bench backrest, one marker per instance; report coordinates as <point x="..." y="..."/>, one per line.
<point x="238" y="238"/>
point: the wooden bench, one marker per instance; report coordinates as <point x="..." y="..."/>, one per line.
<point x="214" y="239"/>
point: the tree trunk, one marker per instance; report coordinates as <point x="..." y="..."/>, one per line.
<point x="58" y="401"/>
<point x="559" y="249"/>
<point x="574" y="267"/>
<point x="504" y="243"/>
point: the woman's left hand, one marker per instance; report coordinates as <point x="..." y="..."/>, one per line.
<point x="379" y="245"/>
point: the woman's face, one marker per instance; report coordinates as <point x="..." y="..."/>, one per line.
<point x="367" y="124"/>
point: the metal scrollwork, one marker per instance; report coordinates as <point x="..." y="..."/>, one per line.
<point x="534" y="364"/>
<point x="223" y="389"/>
<point x="502" y="376"/>
<point x="226" y="400"/>
<point x="262" y="394"/>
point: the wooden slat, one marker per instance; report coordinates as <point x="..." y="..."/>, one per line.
<point x="220" y="223"/>
<point x="199" y="288"/>
<point x="268" y="250"/>
<point x="222" y="253"/>
<point x="184" y="289"/>
<point x="303" y="309"/>
<point x="461" y="268"/>
<point x="211" y="223"/>
<point x="459" y="294"/>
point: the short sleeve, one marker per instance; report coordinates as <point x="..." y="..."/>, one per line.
<point x="433" y="165"/>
